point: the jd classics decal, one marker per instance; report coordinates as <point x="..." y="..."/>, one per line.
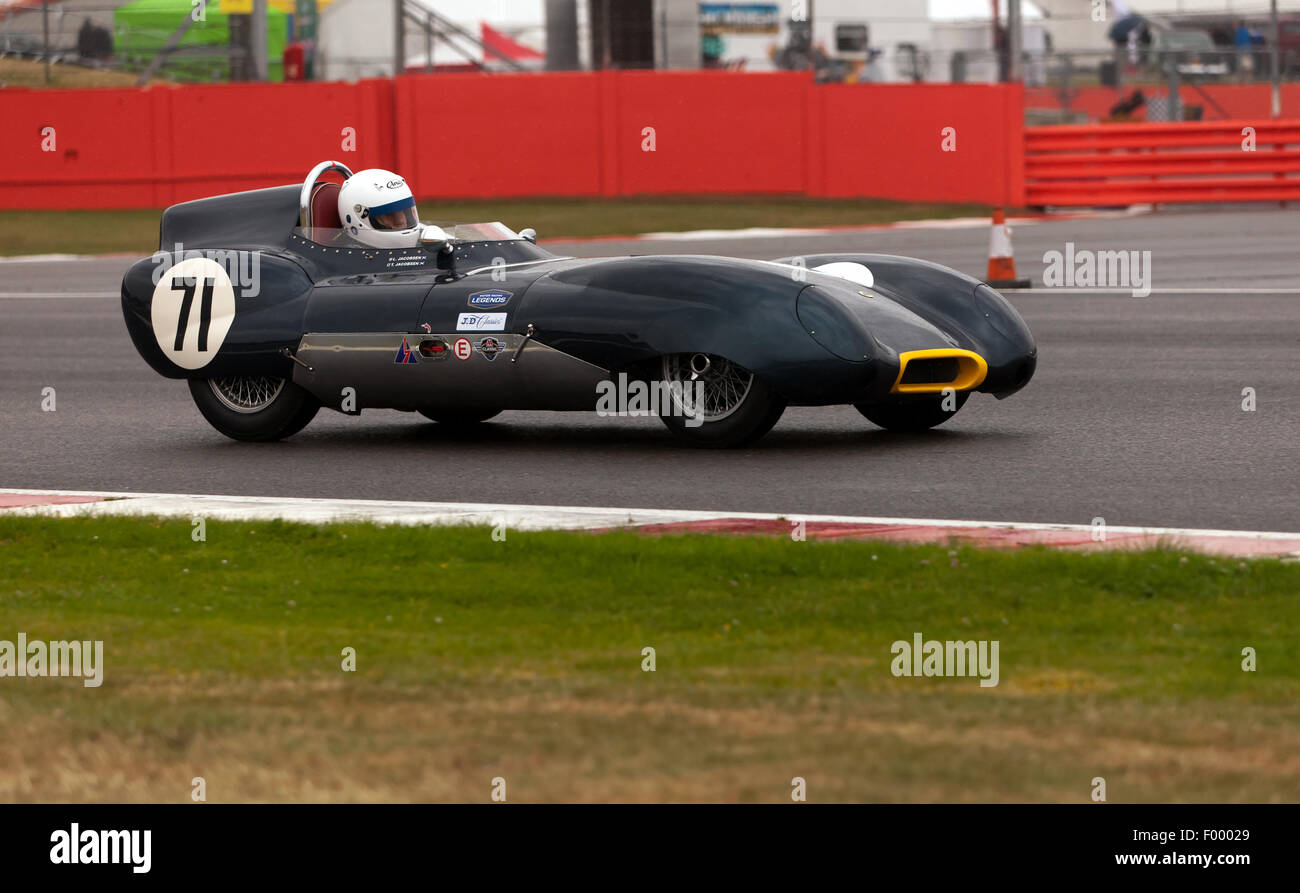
<point x="481" y="322"/>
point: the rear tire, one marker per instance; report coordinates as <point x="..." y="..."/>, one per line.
<point x="459" y="416"/>
<point x="917" y="414"/>
<point x="253" y="408"/>
<point x="739" y="408"/>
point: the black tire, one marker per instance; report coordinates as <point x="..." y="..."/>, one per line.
<point x="274" y="418"/>
<point x="459" y="416"/>
<point x="757" y="411"/>
<point x="915" y="414"/>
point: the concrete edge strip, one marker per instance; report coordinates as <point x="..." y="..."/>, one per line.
<point x="89" y="503"/>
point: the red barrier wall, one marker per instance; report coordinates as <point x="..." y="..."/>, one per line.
<point x="154" y="147"/>
<point x="715" y="132"/>
<point x="1082" y="165"/>
<point x="469" y="135"/>
<point x="567" y="134"/>
<point x="888" y="140"/>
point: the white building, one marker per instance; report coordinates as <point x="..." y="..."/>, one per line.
<point x="879" y="40"/>
<point x="357" y="38"/>
<point x="874" y="40"/>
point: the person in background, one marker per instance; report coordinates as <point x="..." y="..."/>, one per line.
<point x="1242" y="41"/>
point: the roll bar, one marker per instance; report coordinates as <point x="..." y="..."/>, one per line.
<point x="304" y="197"/>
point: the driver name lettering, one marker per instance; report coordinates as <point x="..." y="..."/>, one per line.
<point x="406" y="260"/>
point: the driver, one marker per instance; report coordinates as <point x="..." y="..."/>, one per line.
<point x="378" y="209"/>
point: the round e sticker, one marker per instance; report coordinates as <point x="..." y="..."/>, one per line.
<point x="193" y="308"/>
<point x="462" y="348"/>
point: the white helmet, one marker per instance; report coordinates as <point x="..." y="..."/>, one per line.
<point x="378" y="209"/>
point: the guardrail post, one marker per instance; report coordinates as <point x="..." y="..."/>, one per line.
<point x="1175" y="88"/>
<point x="399" y="36"/>
<point x="1014" y="136"/>
<point x="1066" y="77"/>
<point x="1276" y="74"/>
<point x="45" y="32"/>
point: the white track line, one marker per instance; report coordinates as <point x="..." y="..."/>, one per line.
<point x="770" y="232"/>
<point x="761" y="232"/>
<point x="54" y="295"/>
<point x="1164" y="290"/>
<point x="753" y="232"/>
<point x="520" y="517"/>
<point x="45" y="258"/>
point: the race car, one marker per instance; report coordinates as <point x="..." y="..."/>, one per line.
<point x="269" y="310"/>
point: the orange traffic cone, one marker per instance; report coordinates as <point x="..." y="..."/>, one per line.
<point x="1002" y="261"/>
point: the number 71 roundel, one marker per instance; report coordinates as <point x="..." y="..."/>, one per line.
<point x="192" y="310"/>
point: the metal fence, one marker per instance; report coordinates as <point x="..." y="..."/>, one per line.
<point x="1162" y="64"/>
<point x="87" y="34"/>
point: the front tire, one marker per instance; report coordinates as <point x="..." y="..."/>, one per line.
<point x="738" y="407"/>
<point x="253" y="408"/>
<point x="917" y="414"/>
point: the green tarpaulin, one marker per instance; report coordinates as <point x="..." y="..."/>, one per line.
<point x="143" y="28"/>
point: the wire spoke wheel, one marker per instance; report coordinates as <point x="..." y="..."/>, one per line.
<point x="254" y="407"/>
<point x="725" y="385"/>
<point x="246" y="394"/>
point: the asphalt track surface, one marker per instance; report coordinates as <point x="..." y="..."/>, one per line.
<point x="1135" y="413"/>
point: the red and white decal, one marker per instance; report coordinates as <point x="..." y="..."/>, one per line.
<point x="462" y="348"/>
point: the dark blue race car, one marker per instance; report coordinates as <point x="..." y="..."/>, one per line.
<point x="262" y="302"/>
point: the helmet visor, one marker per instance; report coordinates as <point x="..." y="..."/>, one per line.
<point x="396" y="215"/>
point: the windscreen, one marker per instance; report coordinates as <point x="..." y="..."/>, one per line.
<point x="480" y="232"/>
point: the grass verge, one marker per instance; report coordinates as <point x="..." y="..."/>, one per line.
<point x="524" y="659"/>
<point x="136" y="232"/>
<point x="30" y="74"/>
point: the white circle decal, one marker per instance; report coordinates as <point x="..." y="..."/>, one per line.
<point x="192" y="310"/>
